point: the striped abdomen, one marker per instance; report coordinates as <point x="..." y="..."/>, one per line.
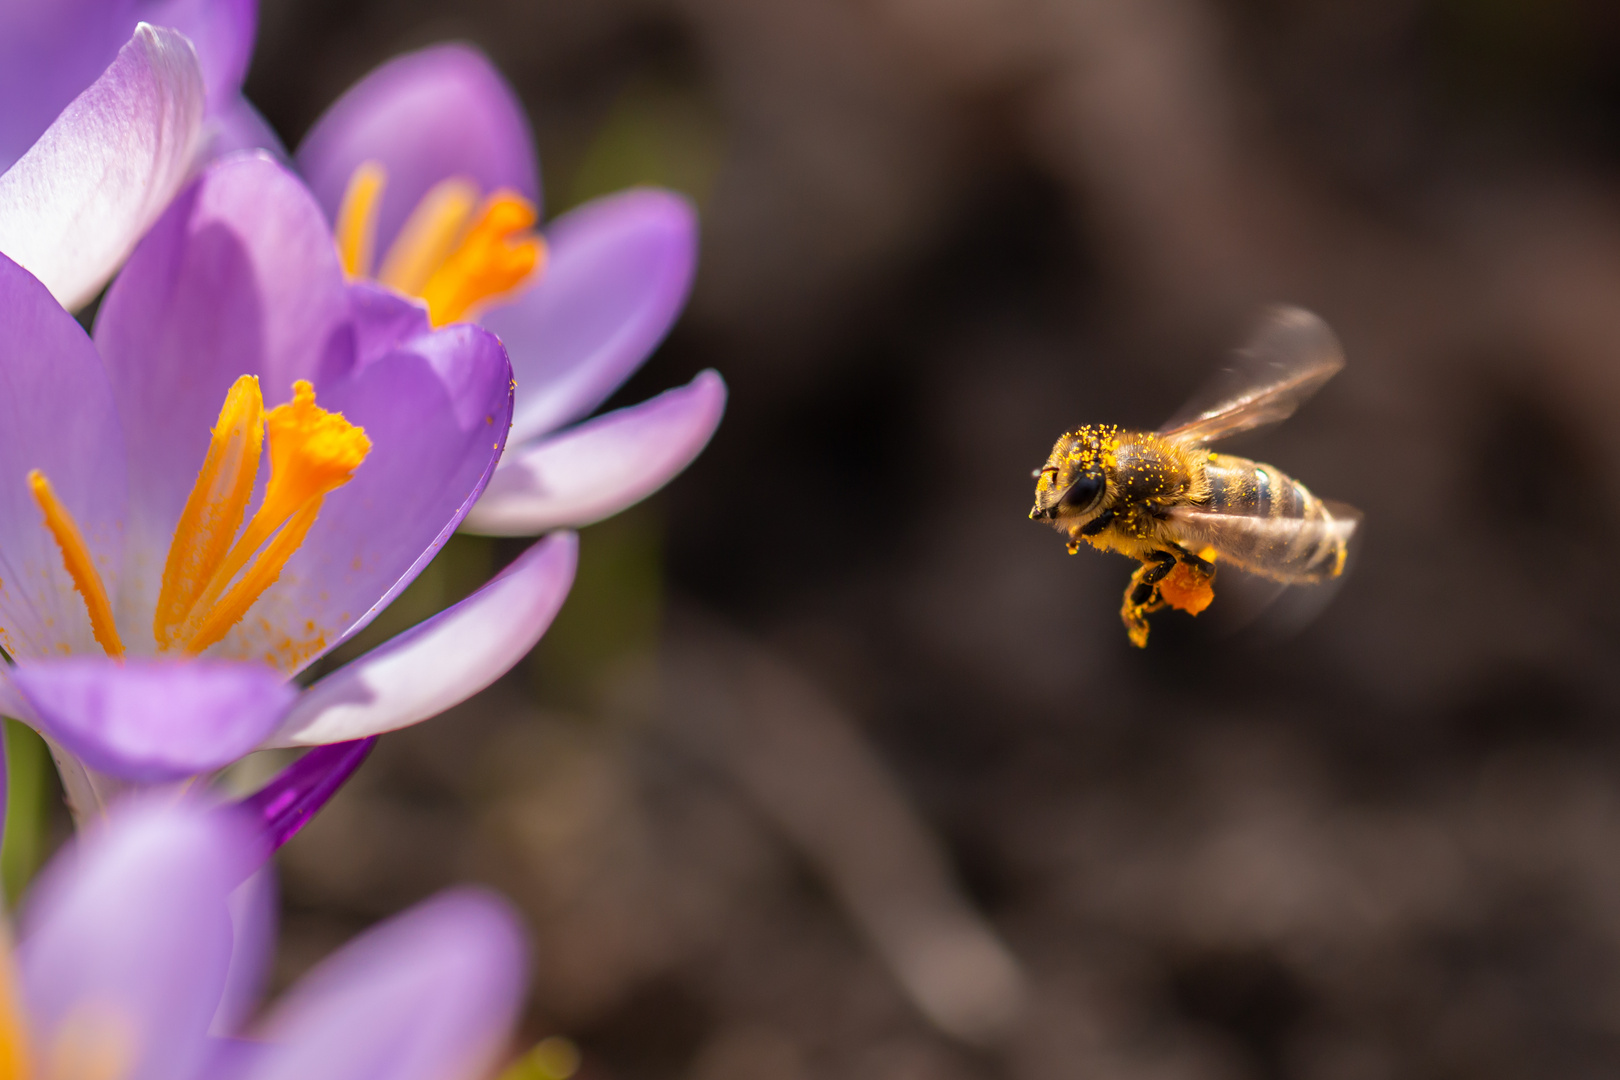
<point x="1269" y="523"/>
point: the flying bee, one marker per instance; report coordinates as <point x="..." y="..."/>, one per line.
<point x="1164" y="498"/>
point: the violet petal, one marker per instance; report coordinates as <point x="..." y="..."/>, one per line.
<point x="428" y="995"/>
<point x="442" y="661"/>
<point x="604" y="465"/>
<point x="222" y="31"/>
<point x="56" y="415"/>
<point x="616" y="276"/>
<point x="128" y="933"/>
<point x="234" y="126"/>
<point x="150" y="721"/>
<point x="49" y="52"/>
<point x="72" y="207"/>
<point x="254" y="906"/>
<point x="294" y="795"/>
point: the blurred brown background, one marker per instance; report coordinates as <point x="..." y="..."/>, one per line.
<point x="837" y="766"/>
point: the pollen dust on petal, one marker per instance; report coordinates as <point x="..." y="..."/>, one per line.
<point x="284" y="652"/>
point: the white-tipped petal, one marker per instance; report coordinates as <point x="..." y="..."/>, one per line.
<point x="443" y="661"/>
<point x="72" y="207"/>
<point x="602" y="466"/>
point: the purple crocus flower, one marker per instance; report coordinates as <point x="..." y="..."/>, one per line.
<point x="77" y="194"/>
<point x="158" y="589"/>
<point x="51" y="50"/>
<point x="428" y="172"/>
<point x="136" y="958"/>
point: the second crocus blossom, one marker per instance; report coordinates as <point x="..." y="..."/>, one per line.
<point x="128" y="966"/>
<point x="250" y="461"/>
<point x="82" y="190"/>
<point x="427" y="170"/>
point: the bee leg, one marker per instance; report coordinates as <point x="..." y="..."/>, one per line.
<point x="1163" y="563"/>
<point x="1194" y="562"/>
<point x="1142" y="595"/>
<point x="1202" y="566"/>
<point x="1090" y="528"/>
<point x="1097" y="524"/>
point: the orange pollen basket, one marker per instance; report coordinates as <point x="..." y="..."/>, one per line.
<point x="212" y="575"/>
<point x="454" y="253"/>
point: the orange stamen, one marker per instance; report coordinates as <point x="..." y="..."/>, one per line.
<point x="214" y="510"/>
<point x="496" y="256"/>
<point x="259" y="577"/>
<point x="14" y="1050"/>
<point x="312" y="452"/>
<point x="79" y="564"/>
<point x="356" y="231"/>
<point x="429" y="235"/>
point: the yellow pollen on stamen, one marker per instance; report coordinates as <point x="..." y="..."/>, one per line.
<point x="356" y="231"/>
<point x="496" y="256"/>
<point x="78" y="562"/>
<point x="312" y="452"/>
<point x="429" y="235"/>
<point x="214" y="510"/>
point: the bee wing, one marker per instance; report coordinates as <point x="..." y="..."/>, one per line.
<point x="1294" y="551"/>
<point x="1287" y="360"/>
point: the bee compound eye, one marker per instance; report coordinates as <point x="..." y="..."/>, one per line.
<point x="1083" y="492"/>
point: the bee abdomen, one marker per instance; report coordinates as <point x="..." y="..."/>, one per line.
<point x="1292" y="535"/>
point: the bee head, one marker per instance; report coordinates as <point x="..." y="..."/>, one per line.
<point x="1074" y="480"/>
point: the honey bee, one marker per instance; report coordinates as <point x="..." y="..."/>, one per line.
<point x="1162" y="497"/>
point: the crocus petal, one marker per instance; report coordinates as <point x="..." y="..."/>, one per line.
<point x="233" y="126"/>
<point x="126" y="937"/>
<point x="239" y="277"/>
<point x="254" y="907"/>
<point x="443" y="661"/>
<point x="151" y="721"/>
<point x="428" y="995"/>
<point x="72" y="207"/>
<point x="221" y="30"/>
<point x="382" y="319"/>
<point x="12" y="702"/>
<point x="296" y="794"/>
<point x="426" y="116"/>
<point x="56" y="415"/>
<point x="436" y="410"/>
<point x="617" y="274"/>
<point x="49" y="52"/>
<point x="597" y="469"/>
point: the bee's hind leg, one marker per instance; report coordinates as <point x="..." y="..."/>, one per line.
<point x="1142" y="595"/>
<point x="1196" y="562"/>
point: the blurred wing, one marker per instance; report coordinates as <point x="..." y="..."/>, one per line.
<point x="1294" y="551"/>
<point x="1286" y="361"/>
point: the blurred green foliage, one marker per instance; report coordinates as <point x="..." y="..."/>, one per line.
<point x="657" y="132"/>
<point x="554" y="1058"/>
<point x="30" y="791"/>
<point x="613" y="613"/>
